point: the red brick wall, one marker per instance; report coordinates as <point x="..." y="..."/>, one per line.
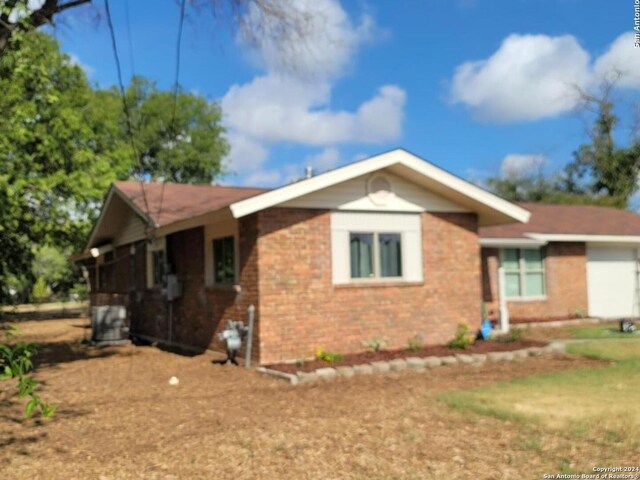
<point x="300" y="308"/>
<point x="566" y="284"/>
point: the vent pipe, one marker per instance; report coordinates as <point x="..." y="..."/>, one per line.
<point x="308" y="171"/>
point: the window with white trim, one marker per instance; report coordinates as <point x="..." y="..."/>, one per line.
<point x="376" y="246"/>
<point x="524" y="272"/>
<point x="375" y="255"/>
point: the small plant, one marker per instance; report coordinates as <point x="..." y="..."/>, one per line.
<point x="375" y="344"/>
<point x="301" y="362"/>
<point x="324" y="356"/>
<point x="16" y="363"/>
<point x="415" y="343"/>
<point x="463" y="337"/>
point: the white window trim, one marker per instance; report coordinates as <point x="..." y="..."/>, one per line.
<point x="522" y="271"/>
<point x="377" y="278"/>
<point x="408" y="225"/>
<point x="155" y="245"/>
<point x="215" y="231"/>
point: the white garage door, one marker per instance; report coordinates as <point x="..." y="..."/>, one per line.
<point x="611" y="281"/>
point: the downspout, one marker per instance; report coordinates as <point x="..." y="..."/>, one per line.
<point x="502" y="301"/>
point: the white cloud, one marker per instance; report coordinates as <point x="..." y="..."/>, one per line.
<point x="325" y="160"/>
<point x="246" y="155"/>
<point x="518" y="164"/>
<point x="621" y="57"/>
<point x="274" y="108"/>
<point x="321" y="44"/>
<point x="528" y="77"/>
<point x="292" y="101"/>
<point x="535" y="76"/>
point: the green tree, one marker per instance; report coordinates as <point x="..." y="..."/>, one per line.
<point x="602" y="169"/>
<point x="601" y="173"/>
<point x="179" y="139"/>
<point x="51" y="173"/>
<point x="62" y="144"/>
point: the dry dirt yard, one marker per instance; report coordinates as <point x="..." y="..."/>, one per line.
<point x="118" y="418"/>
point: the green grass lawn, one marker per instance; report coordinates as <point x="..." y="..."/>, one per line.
<point x="608" y="330"/>
<point x="603" y="330"/>
<point x="602" y="398"/>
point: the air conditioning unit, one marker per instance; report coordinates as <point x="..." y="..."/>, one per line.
<point x="108" y="324"/>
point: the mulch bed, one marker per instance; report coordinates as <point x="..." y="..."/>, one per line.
<point x="386" y="355"/>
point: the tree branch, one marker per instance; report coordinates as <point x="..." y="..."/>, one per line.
<point x="43" y="15"/>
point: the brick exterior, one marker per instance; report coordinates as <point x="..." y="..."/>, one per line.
<point x="285" y="271"/>
<point x="300" y="308"/>
<point x="566" y="284"/>
<point x="201" y="312"/>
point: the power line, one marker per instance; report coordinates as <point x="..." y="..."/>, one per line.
<point x="129" y="41"/>
<point x="127" y="113"/>
<point x="176" y="86"/>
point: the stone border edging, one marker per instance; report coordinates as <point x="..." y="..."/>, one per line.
<point x="419" y="364"/>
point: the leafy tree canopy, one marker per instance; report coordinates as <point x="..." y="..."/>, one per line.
<point x="601" y="173"/>
<point x="63" y="142"/>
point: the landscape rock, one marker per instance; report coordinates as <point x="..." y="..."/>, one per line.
<point x="347" y="372"/>
<point x="416" y="363"/>
<point x="479" y="357"/>
<point x="464" y="358"/>
<point x="363" y="369"/>
<point x="449" y="360"/>
<point x="398" y="364"/>
<point x="381" y="367"/>
<point x="327" y="373"/>
<point x="431" y="362"/>
<point x="307" y="377"/>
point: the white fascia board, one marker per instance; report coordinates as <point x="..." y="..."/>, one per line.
<point x="399" y="156"/>
<point x="555" y="237"/>
<point x="511" y="242"/>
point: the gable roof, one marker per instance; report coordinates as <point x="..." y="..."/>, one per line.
<point x="491" y="209"/>
<point x="170" y="207"/>
<point x="568" y="222"/>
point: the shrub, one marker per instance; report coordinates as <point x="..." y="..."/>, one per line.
<point x="415" y="343"/>
<point x="463" y="338"/>
<point x="41" y="290"/>
<point x="323" y="355"/>
<point x="375" y="344"/>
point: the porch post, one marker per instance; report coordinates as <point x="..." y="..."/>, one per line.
<point x="502" y="301"/>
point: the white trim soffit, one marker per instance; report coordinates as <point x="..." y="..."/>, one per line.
<point x="556" y="237"/>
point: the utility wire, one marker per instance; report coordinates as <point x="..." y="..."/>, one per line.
<point x="176" y="86"/>
<point x="125" y="105"/>
<point x="129" y="40"/>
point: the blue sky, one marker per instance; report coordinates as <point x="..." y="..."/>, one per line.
<point x="474" y="86"/>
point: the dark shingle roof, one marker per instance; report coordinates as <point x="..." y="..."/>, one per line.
<point x="569" y="219"/>
<point x="181" y="201"/>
